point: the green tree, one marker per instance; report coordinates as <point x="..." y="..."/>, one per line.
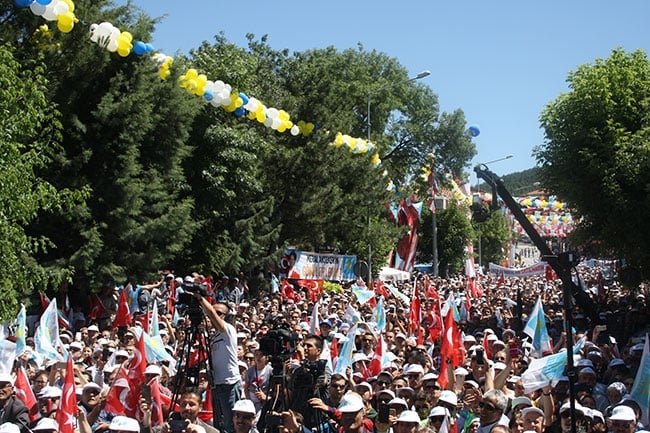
<point x="596" y="154"/>
<point x="495" y="236"/>
<point x="124" y="136"/>
<point x="455" y="232"/>
<point x="29" y="139"/>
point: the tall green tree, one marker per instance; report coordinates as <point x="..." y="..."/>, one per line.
<point x="596" y="154"/>
<point x="124" y="137"/>
<point x="455" y="232"/>
<point x="30" y="131"/>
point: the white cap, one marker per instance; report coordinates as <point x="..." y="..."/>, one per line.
<point x="9" y="428"/>
<point x="499" y="366"/>
<point x="430" y="376"/>
<point x="122" y="352"/>
<point x="76" y="345"/>
<point x="125" y="423"/>
<point x="521" y="400"/>
<point x="50" y="392"/>
<point x="359" y="357"/>
<point x="567" y="406"/>
<point x="93" y="328"/>
<point x="398" y="401"/>
<point x="46" y="424"/>
<point x="439" y="411"/>
<point x="623" y="413"/>
<point x="409" y="416"/>
<point x="469" y="339"/>
<point x="92" y="385"/>
<point x="414" y="368"/>
<point x="460" y="371"/>
<point x="449" y="397"/>
<point x="365" y="385"/>
<point x="244" y="406"/>
<point x="351" y="402"/>
<point x="153" y="369"/>
<point x="531" y="409"/>
<point x="405" y="388"/>
<point x="388" y="392"/>
<point x="471" y="383"/>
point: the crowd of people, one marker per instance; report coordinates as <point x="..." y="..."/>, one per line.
<point x="277" y="361"/>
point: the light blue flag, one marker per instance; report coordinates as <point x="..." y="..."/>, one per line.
<point x="46" y="337"/>
<point x="21" y="330"/>
<point x="346" y="353"/>
<point x="395" y="292"/>
<point x="463" y="310"/>
<point x="379" y="315"/>
<point x="641" y="387"/>
<point x="362" y="293"/>
<point x="536" y="329"/>
<point x="543" y="371"/>
<point x="154" y="348"/>
<point x="275" y="284"/>
<point x="154" y="329"/>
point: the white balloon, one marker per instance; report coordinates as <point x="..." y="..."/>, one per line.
<point x="50" y="11"/>
<point x="112" y="46"/>
<point x="268" y="122"/>
<point x="219" y="86"/>
<point x="272" y="112"/>
<point x="252" y="105"/>
<point x="93" y="32"/>
<point x="295" y="130"/>
<point x="61" y="8"/>
<point x="276" y="123"/>
<point x="37" y="8"/>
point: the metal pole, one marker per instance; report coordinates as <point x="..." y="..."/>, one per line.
<point x="434" y="242"/>
<point x="480" y="250"/>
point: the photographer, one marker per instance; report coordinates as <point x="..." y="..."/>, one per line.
<point x="223" y="350"/>
<point x="186" y="420"/>
<point x="310" y="380"/>
<point x="289" y="422"/>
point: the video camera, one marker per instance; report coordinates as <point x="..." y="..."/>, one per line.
<point x="279" y="342"/>
<point x="192" y="304"/>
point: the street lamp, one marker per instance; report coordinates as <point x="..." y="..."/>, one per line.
<point x="422" y="74"/>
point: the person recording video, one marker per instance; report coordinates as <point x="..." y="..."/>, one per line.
<point x="186" y="420"/>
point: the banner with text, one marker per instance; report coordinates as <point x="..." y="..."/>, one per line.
<point x="536" y="269"/>
<point x="316" y="266"/>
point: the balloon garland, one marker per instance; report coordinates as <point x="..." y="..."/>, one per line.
<point x="217" y="93"/>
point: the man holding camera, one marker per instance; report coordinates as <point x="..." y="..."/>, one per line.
<point x="223" y="351"/>
<point x="186" y="420"/>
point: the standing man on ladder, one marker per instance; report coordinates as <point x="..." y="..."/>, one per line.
<point x="227" y="385"/>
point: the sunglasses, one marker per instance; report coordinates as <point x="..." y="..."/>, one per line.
<point x="383" y="383"/>
<point x="487" y="406"/>
<point x="621" y="424"/>
<point x="220" y="313"/>
<point x="436" y="418"/>
<point x="433" y="387"/>
<point x="246" y="416"/>
<point x="337" y="386"/>
<point x="249" y="358"/>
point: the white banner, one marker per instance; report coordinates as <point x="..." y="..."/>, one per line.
<point x="315" y="266"/>
<point x="536" y="269"/>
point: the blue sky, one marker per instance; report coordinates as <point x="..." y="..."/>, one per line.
<point x="499" y="61"/>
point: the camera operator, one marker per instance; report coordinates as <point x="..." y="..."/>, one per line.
<point x="223" y="350"/>
<point x="289" y="422"/>
<point x="186" y="420"/>
<point x="308" y="380"/>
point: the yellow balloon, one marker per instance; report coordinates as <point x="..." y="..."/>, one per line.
<point x="338" y="141"/>
<point x="65" y="22"/>
<point x="283" y="115"/>
<point x="126" y="35"/>
<point x="123" y="52"/>
<point x="261" y="116"/>
<point x="70" y="5"/>
<point x="65" y="28"/>
<point x="192" y="74"/>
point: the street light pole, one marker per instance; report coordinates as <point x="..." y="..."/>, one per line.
<point x="422" y="74"/>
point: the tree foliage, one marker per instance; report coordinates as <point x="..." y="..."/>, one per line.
<point x="455" y="232"/>
<point x="596" y="155"/>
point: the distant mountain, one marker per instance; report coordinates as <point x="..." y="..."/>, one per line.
<point x="520" y="183"/>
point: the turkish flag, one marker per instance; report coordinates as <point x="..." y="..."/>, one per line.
<point x="486" y="345"/>
<point x="117" y="393"/>
<point x="157" y="417"/>
<point x="550" y="273"/>
<point x="206" y="413"/>
<point x="451" y="349"/>
<point x="374" y="368"/>
<point x="314" y="288"/>
<point x="65" y="415"/>
<point x="501" y="282"/>
<point x="382" y="290"/>
<point x="414" y="315"/>
<point x="122" y="317"/>
<point x="25" y="393"/>
<point x="96" y="308"/>
<point x="287" y="291"/>
<point x="430" y="291"/>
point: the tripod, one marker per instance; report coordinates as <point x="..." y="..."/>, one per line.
<point x="276" y="400"/>
<point x="190" y="362"/>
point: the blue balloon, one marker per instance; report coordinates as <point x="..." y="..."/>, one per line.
<point x="149" y="48"/>
<point x="474" y="131"/>
<point x="208" y="95"/>
<point x="24" y="3"/>
<point x="43" y="2"/>
<point x="139" y="48"/>
<point x="243" y="97"/>
<point x="240" y="111"/>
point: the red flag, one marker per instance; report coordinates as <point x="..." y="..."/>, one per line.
<point x="157" y="417"/>
<point x="501" y="282"/>
<point x="382" y="290"/>
<point x="550" y="273"/>
<point x="206" y="413"/>
<point x="375" y="363"/>
<point x="486" y="345"/>
<point x="287" y="291"/>
<point x="65" y="415"/>
<point x="137" y="366"/>
<point x="451" y="349"/>
<point x="96" y="308"/>
<point x="430" y="291"/>
<point x="122" y="317"/>
<point x="25" y="393"/>
<point x="314" y="288"/>
<point x="117" y="393"/>
<point x="414" y="316"/>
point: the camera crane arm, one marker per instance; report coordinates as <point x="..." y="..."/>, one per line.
<point x="561" y="264"/>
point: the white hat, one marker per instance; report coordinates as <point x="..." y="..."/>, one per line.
<point x="449" y="397"/>
<point x="9" y="428"/>
<point x="498" y="343"/>
<point x="409" y="416"/>
<point x="46" y="424"/>
<point x="567" y="406"/>
<point x="400" y="335"/>
<point x="499" y="366"/>
<point x="587" y="370"/>
<point x="50" y="392"/>
<point x="439" y="411"/>
<point x="153" y="369"/>
<point x="615" y="362"/>
<point x="469" y="339"/>
<point x="244" y="406"/>
<point x="398" y="401"/>
<point x="122" y="352"/>
<point x="623" y="413"/>
<point x="471" y="383"/>
<point x="389" y="392"/>
<point x="93" y="328"/>
<point x="405" y="388"/>
<point x="364" y="385"/>
<point x="460" y="371"/>
<point x="351" y="402"/>
<point x="414" y="368"/>
<point x="359" y="357"/>
<point x="92" y="385"/>
<point x="597" y="414"/>
<point x="521" y="400"/>
<point x="125" y="423"/>
<point x="531" y="409"/>
<point x="6" y="377"/>
<point x="76" y="345"/>
<point x="430" y="376"/>
<point x="492" y="337"/>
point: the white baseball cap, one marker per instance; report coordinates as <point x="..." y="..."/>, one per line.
<point x="409" y="416"/>
<point x="351" y="402"/>
<point x="244" y="406"/>
<point x="46" y="424"/>
<point x="125" y="423"/>
<point x="623" y="413"/>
